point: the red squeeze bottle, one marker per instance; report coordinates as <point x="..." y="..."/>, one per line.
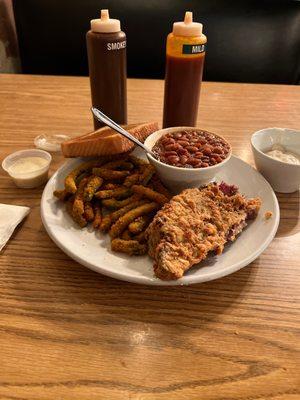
<point x="106" y="46"/>
<point x="185" y="54"/>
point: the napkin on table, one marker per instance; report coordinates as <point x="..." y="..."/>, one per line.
<point x="10" y="217"/>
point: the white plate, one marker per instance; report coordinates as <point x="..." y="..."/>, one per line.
<point x="93" y="249"/>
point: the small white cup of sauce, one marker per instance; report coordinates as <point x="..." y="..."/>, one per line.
<point x="28" y="168"/>
<point x="276" y="154"/>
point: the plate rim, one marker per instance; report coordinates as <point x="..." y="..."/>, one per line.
<point x="155" y="281"/>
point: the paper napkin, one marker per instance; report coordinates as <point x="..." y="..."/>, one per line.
<point x="10" y="217"/>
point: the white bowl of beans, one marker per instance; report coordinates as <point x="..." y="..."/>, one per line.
<point x="187" y="157"/>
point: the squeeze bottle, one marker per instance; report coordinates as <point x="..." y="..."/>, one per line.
<point x="185" y="54"/>
<point x="106" y="47"/>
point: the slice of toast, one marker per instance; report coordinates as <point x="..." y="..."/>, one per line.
<point x="106" y="141"/>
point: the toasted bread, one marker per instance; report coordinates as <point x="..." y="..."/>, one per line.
<point x="106" y="141"/>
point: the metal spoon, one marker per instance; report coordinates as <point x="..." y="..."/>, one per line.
<point x="109" y="122"/>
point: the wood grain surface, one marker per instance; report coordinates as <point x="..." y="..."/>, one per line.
<point x="69" y="333"/>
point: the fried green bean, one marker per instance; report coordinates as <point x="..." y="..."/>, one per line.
<point x="139" y="224"/>
<point x="141" y="237"/>
<point x="159" y="187"/>
<point x="132" y="179"/>
<point x="131" y="247"/>
<point x="126" y="235"/>
<point x="97" y="214"/>
<point x="114" y="216"/>
<point x="78" y="205"/>
<point x="118" y="193"/>
<point x="121" y="224"/>
<point x="93" y="184"/>
<point x="62" y="195"/>
<point x="147" y="173"/>
<point x="88" y="212"/>
<point x="110" y="174"/>
<point x="114" y="204"/>
<point x="110" y="186"/>
<point x="70" y="180"/>
<point x="150" y="194"/>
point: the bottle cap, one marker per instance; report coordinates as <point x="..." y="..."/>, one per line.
<point x="187" y="27"/>
<point x="104" y="24"/>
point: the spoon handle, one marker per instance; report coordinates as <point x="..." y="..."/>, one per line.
<point x="109" y="122"/>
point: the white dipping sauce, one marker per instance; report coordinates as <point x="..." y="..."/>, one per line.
<point x="279" y="153"/>
<point x="29" y="172"/>
<point x="27" y="165"/>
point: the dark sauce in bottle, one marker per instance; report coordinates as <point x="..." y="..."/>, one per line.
<point x="106" y="46"/>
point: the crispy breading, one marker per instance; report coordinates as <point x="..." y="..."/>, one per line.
<point x="268" y="214"/>
<point x="132" y="179"/>
<point x="110" y="186"/>
<point x="121" y="224"/>
<point x="141" y="237"/>
<point x="70" y="180"/>
<point x="114" y="204"/>
<point x="105" y="223"/>
<point x="159" y="187"/>
<point x="131" y="247"/>
<point x="62" y="195"/>
<point x="92" y="185"/>
<point x="117" y="193"/>
<point x="97" y="214"/>
<point x="126" y="235"/>
<point x="78" y="205"/>
<point x="110" y="174"/>
<point x="150" y="194"/>
<point x="194" y="223"/>
<point x="114" y="216"/>
<point x="139" y="224"/>
<point x="88" y="211"/>
<point x="147" y="172"/>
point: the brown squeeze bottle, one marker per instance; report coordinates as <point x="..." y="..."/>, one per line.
<point x="106" y="47"/>
<point x="184" y="66"/>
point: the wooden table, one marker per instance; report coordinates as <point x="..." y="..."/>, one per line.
<point x="69" y="333"/>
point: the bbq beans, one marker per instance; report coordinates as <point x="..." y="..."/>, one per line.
<point x="191" y="149"/>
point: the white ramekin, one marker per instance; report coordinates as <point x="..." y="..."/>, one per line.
<point x="28" y="180"/>
<point x="283" y="177"/>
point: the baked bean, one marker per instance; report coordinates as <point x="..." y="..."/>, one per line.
<point x="171" y="147"/>
<point x="217" y="150"/>
<point x="191" y="149"/>
<point x="183" y="159"/>
<point x="207" y="150"/>
<point x="183" y="143"/>
<point x="177" y="135"/>
<point x="173" y="159"/>
<point x="198" y="164"/>
<point x="193" y="161"/>
<point x="183" y="152"/>
<point x="170" y="153"/>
